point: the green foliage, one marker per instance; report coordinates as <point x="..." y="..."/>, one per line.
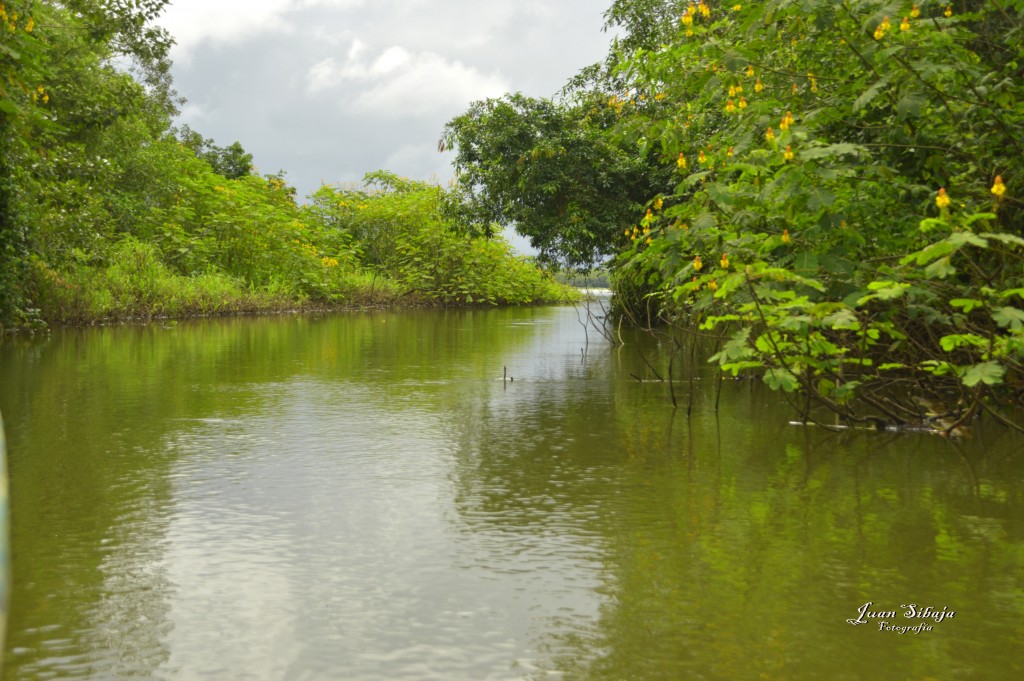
<point x="551" y="170"/>
<point x="109" y="212"/>
<point x="399" y="229"/>
<point x="846" y="196"/>
<point x="231" y="161"/>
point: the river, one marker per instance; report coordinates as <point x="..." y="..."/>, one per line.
<point x="362" y="496"/>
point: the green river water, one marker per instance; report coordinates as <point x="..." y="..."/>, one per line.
<point x="361" y="496"/>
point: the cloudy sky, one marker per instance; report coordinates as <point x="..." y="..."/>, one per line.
<point x="328" y="90"/>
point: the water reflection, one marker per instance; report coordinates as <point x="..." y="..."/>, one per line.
<point x="363" y="496"/>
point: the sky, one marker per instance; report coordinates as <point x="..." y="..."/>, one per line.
<point x="328" y="90"/>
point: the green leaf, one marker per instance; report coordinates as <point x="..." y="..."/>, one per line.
<point x="989" y="373"/>
<point x="779" y="378"/>
<point x="940" y="269"/>
<point x="870" y="93"/>
<point x="1005" y="238"/>
<point x="956" y="340"/>
<point x="910" y="104"/>
<point x="967" y="304"/>
<point x="961" y="238"/>
<point x="1009" y="317"/>
<point x="842" y="319"/>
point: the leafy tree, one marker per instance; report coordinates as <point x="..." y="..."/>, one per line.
<point x="231" y="161"/>
<point x="552" y="171"/>
<point x="60" y="99"/>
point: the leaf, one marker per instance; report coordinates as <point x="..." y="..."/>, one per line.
<point x="869" y="94"/>
<point x="929" y="224"/>
<point x="967" y="304"/>
<point x="781" y="378"/>
<point x="704" y="221"/>
<point x="956" y="340"/>
<point x="889" y="366"/>
<point x="989" y="373"/>
<point x="910" y="104"/>
<point x="1009" y="316"/>
<point x="842" y="319"/>
<point x="940" y="269"/>
<point x="736" y="348"/>
<point x="884" y="290"/>
<point x="1005" y="238"/>
<point x="960" y="238"/>
<point x="842" y="148"/>
<point x="931" y="252"/>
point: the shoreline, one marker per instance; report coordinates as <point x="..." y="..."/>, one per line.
<point x="407" y="301"/>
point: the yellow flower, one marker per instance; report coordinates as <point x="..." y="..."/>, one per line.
<point x="648" y="241"/>
<point x="724" y="262"/>
<point x="750" y="71"/>
<point x="814" y="81"/>
<point x="704" y="10"/>
<point x="658" y="203"/>
<point x="942" y="200"/>
<point x="659" y="96"/>
<point x="949" y="11"/>
<point x="794" y="89"/>
<point x="882" y="29"/>
<point x="687" y="19"/>
<point x="681" y="161"/>
<point x="712" y="285"/>
<point x="737" y="8"/>
<point x="732" y="90"/>
<point x="729" y="152"/>
<point x="758" y="86"/>
<point x="785" y="236"/>
<point x="998" y="188"/>
<point x="905" y="25"/>
<point x="626" y="232"/>
<point x="46" y="99"/>
<point x="30" y="25"/>
<point x="770" y="136"/>
<point x="915" y="12"/>
<point x="697" y="264"/>
<point x="788" y="154"/>
<point x="743" y="102"/>
<point x="701" y="158"/>
<point x="729" y="106"/>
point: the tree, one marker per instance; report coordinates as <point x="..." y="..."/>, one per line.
<point x="231" y="161"/>
<point x="62" y="103"/>
<point x="551" y="170"/>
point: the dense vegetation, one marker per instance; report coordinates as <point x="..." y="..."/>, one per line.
<point x="109" y="212"/>
<point x="837" y="202"/>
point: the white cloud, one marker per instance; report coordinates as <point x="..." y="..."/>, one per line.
<point x="193" y="22"/>
<point x="398" y="83"/>
<point x="191" y="113"/>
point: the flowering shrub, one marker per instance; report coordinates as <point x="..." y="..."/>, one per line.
<point x="867" y="195"/>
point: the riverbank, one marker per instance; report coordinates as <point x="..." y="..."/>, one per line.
<point x="145" y="290"/>
<point x="135" y="283"/>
